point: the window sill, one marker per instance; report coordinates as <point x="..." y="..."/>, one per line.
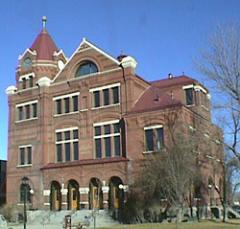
<point x="150" y="152"/>
<point x="190" y="105"/>
<point x="107" y="106"/>
<point x="23" y="166"/>
<point x="84" y="110"/>
<point x="25" y="120"/>
<point x="58" y="115"/>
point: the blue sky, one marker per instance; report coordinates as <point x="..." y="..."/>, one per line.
<point x="162" y="35"/>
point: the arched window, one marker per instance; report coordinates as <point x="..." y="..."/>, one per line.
<point x="25" y="193"/>
<point x="85" y="68"/>
<point x="27" y="63"/>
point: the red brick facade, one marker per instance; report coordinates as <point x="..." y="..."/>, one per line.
<point x="55" y="117"/>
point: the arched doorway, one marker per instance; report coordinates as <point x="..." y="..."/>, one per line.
<point x="55" y="196"/>
<point x="73" y="195"/>
<point x="25" y="193"/>
<point x="95" y="194"/>
<point x="211" y="190"/>
<point x="116" y="193"/>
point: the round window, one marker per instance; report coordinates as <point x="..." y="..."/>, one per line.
<point x="27" y="63"/>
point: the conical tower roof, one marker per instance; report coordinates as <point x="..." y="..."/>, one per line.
<point x="44" y="45"/>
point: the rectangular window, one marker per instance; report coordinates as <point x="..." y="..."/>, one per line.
<point x="75" y="134"/>
<point x="59" y="106"/>
<point x="29" y="155"/>
<point x="115" y="92"/>
<point x="20" y="113"/>
<point x="24" y="83"/>
<point x="75" y="103"/>
<point x="117" y="145"/>
<point x="96" y="98"/>
<point x="98" y="148"/>
<point x="154" y="138"/>
<point x="22" y="156"/>
<point x="67" y="135"/>
<point x="67" y="145"/>
<point x="107" y="129"/>
<point x="97" y="130"/>
<point x="59" y="136"/>
<point x="34" y="110"/>
<point x="75" y="151"/>
<point x="30" y="81"/>
<point x="25" y="155"/>
<point x="106" y="97"/>
<point x="107" y="139"/>
<point x="160" y="143"/>
<point x="149" y="140"/>
<point x="107" y="146"/>
<point x="189" y="96"/>
<point x="27" y="111"/>
<point x="67" y="152"/>
<point x="67" y="105"/>
<point x="59" y="152"/>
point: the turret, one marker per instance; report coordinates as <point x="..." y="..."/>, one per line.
<point x="42" y="59"/>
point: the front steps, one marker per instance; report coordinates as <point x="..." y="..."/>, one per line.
<point x="42" y="217"/>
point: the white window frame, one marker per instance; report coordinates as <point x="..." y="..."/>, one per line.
<point x="102" y="136"/>
<point x="31" y="113"/>
<point x="26" y="156"/>
<point x="100" y="89"/>
<point x="150" y="128"/>
<point x="62" y="97"/>
<point x="71" y="141"/>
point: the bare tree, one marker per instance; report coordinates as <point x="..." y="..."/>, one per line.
<point x="221" y="64"/>
<point x="169" y="175"/>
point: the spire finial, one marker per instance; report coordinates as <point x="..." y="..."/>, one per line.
<point x="44" y="21"/>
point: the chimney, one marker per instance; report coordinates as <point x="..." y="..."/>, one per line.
<point x="170" y="76"/>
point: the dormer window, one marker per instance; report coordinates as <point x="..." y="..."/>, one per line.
<point x="86" y="68"/>
<point x="27" y="63"/>
<point x="189" y="96"/>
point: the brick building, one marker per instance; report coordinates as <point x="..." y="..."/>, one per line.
<point x="79" y="127"/>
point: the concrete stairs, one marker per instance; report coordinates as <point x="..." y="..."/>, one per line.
<point x="217" y="211"/>
<point x="42" y="217"/>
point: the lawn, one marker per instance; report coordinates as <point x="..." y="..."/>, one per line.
<point x="202" y="225"/>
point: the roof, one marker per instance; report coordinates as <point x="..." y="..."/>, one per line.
<point x="44" y="46"/>
<point x="154" y="99"/>
<point x="175" y="80"/>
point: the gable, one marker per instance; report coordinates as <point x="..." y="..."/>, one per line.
<point x="86" y="52"/>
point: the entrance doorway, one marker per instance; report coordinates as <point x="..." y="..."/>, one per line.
<point x="55" y="196"/>
<point x="116" y="195"/>
<point x="73" y="195"/>
<point x="95" y="194"/>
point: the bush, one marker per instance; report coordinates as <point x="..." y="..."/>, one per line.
<point x="11" y="212"/>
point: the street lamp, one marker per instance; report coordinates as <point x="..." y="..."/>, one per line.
<point x="25" y="182"/>
<point x="121" y="188"/>
<point x="27" y="192"/>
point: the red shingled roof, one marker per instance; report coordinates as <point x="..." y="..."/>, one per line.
<point x="176" y="80"/>
<point x="44" y="46"/>
<point x="154" y="99"/>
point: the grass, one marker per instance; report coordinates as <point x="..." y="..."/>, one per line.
<point x="193" y="225"/>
